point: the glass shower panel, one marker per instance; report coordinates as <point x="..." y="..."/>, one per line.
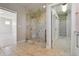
<point x="61" y="27"/>
<point x="7" y="28"/>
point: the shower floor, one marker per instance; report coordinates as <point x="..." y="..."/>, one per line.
<point x="64" y="44"/>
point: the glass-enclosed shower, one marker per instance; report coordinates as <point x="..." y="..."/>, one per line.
<point x="8" y="29"/>
<point x="61" y="27"/>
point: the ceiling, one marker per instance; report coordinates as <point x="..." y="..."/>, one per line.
<point x="31" y="5"/>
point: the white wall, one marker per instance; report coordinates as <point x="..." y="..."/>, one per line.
<point x="48" y="27"/>
<point x="36" y="27"/>
<point x="77" y="17"/>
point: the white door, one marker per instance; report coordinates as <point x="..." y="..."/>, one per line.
<point x="7" y="28"/>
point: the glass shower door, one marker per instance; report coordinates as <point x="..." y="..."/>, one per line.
<point x="7" y="28"/>
<point x="61" y="27"/>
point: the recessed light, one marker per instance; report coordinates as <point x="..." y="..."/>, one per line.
<point x="44" y="6"/>
<point x="64" y="8"/>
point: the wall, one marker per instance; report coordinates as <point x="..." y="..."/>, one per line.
<point x="38" y="29"/>
<point x="41" y="28"/>
<point x="77" y="17"/>
<point x="62" y="28"/>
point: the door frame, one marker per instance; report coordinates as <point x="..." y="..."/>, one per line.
<point x="12" y="11"/>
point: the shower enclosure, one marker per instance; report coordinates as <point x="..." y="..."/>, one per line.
<point x="8" y="27"/>
<point x="63" y="27"/>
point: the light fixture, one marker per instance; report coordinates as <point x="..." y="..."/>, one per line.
<point x="64" y="7"/>
<point x="44" y="6"/>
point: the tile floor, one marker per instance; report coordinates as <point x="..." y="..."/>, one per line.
<point x="29" y="49"/>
